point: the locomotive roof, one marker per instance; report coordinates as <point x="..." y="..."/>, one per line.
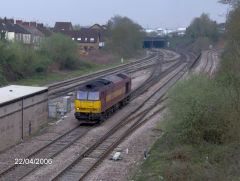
<point x="102" y="83"/>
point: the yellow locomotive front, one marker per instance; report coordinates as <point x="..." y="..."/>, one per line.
<point x="87" y="105"/>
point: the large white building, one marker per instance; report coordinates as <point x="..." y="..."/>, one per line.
<point x="169" y="32"/>
<point x="23" y="110"/>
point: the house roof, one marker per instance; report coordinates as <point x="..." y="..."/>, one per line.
<point x="12" y="28"/>
<point x="45" y="31"/>
<point x="33" y="30"/>
<point x="63" y="26"/>
<point x="96" y="26"/>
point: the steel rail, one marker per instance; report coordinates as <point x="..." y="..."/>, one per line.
<point x="113" y="131"/>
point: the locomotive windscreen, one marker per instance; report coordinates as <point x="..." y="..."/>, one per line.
<point x="91" y="96"/>
<point x="81" y="95"/>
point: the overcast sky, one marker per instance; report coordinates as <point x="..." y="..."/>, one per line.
<point x="148" y="13"/>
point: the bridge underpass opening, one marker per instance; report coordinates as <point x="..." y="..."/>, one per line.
<point x="154" y="44"/>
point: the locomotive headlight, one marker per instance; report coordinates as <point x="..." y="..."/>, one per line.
<point x="78" y="108"/>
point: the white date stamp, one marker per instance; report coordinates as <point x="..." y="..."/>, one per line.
<point x="33" y="161"/>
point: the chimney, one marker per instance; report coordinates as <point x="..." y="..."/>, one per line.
<point x="10" y="21"/>
<point x="33" y="24"/>
<point x="19" y="22"/>
<point x="40" y="25"/>
<point x="25" y="23"/>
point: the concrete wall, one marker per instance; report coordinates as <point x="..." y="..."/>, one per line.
<point x="34" y="113"/>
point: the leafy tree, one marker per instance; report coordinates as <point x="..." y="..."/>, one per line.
<point x="231" y="2"/>
<point x="229" y="74"/>
<point x="61" y="49"/>
<point x="124" y="36"/>
<point x="202" y="27"/>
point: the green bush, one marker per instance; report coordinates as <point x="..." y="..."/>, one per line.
<point x="199" y="110"/>
<point x="19" y="61"/>
<point x="62" y="50"/>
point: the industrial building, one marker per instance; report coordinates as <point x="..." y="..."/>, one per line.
<point x="23" y="109"/>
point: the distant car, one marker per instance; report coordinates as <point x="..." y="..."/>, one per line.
<point x="98" y="99"/>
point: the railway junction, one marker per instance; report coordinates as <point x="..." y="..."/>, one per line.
<point x="86" y="150"/>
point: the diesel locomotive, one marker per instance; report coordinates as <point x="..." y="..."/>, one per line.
<point x="98" y="99"/>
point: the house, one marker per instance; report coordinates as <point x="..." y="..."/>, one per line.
<point x="36" y="35"/>
<point x="102" y="33"/>
<point x="45" y="31"/>
<point x="7" y="29"/>
<point x="87" y="39"/>
<point x="13" y="32"/>
<point x="96" y="27"/>
<point x="63" y="26"/>
<point x="29" y="34"/>
<point x="22" y="35"/>
<point x="23" y="32"/>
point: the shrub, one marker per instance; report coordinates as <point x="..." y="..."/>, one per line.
<point x="61" y="49"/>
<point x="19" y="61"/>
<point x="199" y="110"/>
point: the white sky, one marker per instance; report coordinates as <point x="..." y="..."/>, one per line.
<point x="148" y="13"/>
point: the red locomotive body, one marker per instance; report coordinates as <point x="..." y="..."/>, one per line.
<point x="98" y="99"/>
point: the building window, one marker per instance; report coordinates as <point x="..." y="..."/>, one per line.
<point x="73" y="38"/>
<point x="79" y="39"/>
<point x="91" y="39"/>
<point x="86" y="39"/>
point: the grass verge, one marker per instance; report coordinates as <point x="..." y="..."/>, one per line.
<point x="43" y="79"/>
<point x="184" y="162"/>
<point x="201" y="135"/>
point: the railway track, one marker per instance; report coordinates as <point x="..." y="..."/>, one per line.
<point x="207" y="68"/>
<point x="18" y="172"/>
<point x="90" y="158"/>
<point x="60" y="88"/>
<point x="211" y="61"/>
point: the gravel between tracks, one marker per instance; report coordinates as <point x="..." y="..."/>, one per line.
<point x="125" y="169"/>
<point x="141" y="139"/>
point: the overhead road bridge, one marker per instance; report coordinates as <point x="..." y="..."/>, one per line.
<point x="154" y="42"/>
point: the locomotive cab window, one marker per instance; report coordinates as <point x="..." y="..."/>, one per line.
<point x="81" y="95"/>
<point x="93" y="96"/>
